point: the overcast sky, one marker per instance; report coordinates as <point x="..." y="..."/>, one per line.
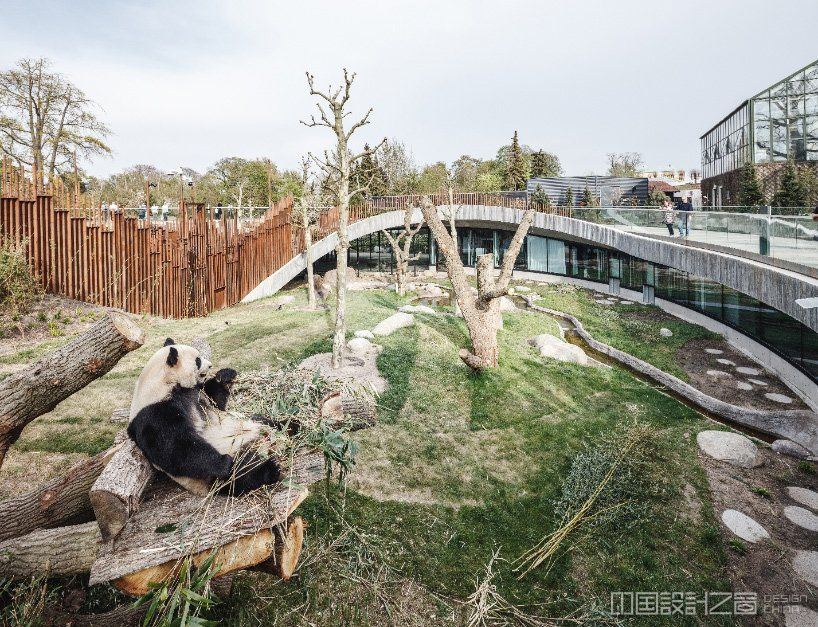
<point x="185" y="83"/>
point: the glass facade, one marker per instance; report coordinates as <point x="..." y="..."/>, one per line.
<point x="784" y="335"/>
<point x="782" y="122"/>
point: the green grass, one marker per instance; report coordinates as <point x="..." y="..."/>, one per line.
<point x="458" y="466"/>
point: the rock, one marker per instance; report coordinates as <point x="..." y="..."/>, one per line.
<point x="393" y="323"/>
<point x="535" y="297"/>
<point x="713" y="351"/>
<point x="743" y="526"/>
<point x="506" y="304"/>
<point x="804" y="496"/>
<point x="801" y="517"/>
<point x="753" y="372"/>
<point x="555" y="348"/>
<point x="418" y="309"/>
<point x="778" y="398"/>
<point x="361" y="368"/>
<point x="330" y="275"/>
<point x="283" y="300"/>
<point x="360" y="286"/>
<point x="602" y="302"/>
<point x="726" y="362"/>
<point x="729" y="447"/>
<point x="522" y="289"/>
<point x="799" y="616"/>
<point x="431" y="291"/>
<point x="665" y="332"/>
<point x="718" y="373"/>
<point x="805" y="564"/>
<point x="741" y="385"/>
<point x="364" y="333"/>
<point x="626" y="302"/>
<point x="790" y="448"/>
<point x="758" y="382"/>
<point x="360" y="345"/>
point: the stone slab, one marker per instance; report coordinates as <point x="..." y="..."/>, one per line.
<point x="729" y="447"/>
<point x="714" y="351"/>
<point x="778" y="398"/>
<point x="743" y="526"/>
<point x="805" y="565"/>
<point x="394" y="322"/>
<point x="804" y="496"/>
<point x="801" y="517"/>
<point x="665" y="332"/>
<point x="753" y="372"/>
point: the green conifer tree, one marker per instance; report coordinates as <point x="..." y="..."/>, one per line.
<point x="516" y="174"/>
<point x="587" y="198"/>
<point x="569" y="198"/>
<point x="749" y="192"/>
<point x="791" y="192"/>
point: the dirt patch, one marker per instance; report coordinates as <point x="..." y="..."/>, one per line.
<point x="50" y="318"/>
<point x="765" y="567"/>
<point x="696" y="361"/>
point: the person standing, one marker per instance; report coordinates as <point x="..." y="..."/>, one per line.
<point x="668" y="215"/>
<point x="684" y="209"/>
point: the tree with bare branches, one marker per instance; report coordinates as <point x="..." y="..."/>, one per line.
<point x="481" y="311"/>
<point x="45" y="119"/>
<point x="401" y="246"/>
<point x="306" y="211"/>
<point x="336" y="167"/>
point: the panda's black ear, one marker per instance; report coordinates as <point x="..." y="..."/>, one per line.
<point x="169" y="342"/>
<point x="173" y="356"/>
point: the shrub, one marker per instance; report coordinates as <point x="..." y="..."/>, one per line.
<point x="19" y="288"/>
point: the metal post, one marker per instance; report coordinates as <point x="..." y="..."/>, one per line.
<point x="764" y="236"/>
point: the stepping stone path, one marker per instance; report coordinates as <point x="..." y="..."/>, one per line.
<point x="753" y="372"/>
<point x="364" y="333"/>
<point x="729" y="447"/>
<point x="804" y="496"/>
<point x="743" y="526"/>
<point x="788" y="447"/>
<point x="718" y="373"/>
<point x="665" y="332"/>
<point x="726" y="362"/>
<point x="741" y="385"/>
<point x="800" y="616"/>
<point x="713" y="351"/>
<point x="393" y="323"/>
<point x="778" y="398"/>
<point x="602" y="302"/>
<point x="805" y="564"/>
<point x="418" y="309"/>
<point x="758" y="382"/>
<point x="801" y="517"/>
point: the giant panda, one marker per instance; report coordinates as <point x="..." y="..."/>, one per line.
<point x="183" y="435"/>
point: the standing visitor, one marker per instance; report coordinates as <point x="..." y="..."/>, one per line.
<point x="685" y="207"/>
<point x="218" y="212"/>
<point x="668" y="215"/>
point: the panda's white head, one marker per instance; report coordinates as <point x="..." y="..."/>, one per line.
<point x="172" y="365"/>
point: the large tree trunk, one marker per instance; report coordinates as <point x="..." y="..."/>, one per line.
<point x="30" y="393"/>
<point x="116" y="492"/>
<point x="57" y="502"/>
<point x="339" y="338"/>
<point x="61" y="551"/>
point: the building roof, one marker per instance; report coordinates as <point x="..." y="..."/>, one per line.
<point x="661" y="186"/>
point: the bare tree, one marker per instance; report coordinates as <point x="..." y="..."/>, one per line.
<point x="44" y="119"/>
<point x="624" y="163"/>
<point x="306" y="210"/>
<point x="336" y="168"/>
<point x="401" y="245"/>
<point x="481" y="311"/>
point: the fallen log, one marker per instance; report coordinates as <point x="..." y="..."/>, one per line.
<point x="116" y="492"/>
<point x="289" y="539"/>
<point x="61" y="551"/>
<point x="55" y="503"/>
<point x="37" y="390"/>
<point x="173" y="523"/>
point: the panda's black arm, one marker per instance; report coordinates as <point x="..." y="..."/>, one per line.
<point x="164" y="436"/>
<point x="218" y="387"/>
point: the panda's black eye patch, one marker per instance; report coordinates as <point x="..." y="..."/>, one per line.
<point x="198" y="362"/>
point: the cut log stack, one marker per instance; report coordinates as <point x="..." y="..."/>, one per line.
<point x="115" y="517"/>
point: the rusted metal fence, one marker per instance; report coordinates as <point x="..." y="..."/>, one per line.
<point x="187" y="267"/>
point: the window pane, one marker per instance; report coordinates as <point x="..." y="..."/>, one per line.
<point x="705" y="296"/>
<point x="741" y="311"/>
<point x="537" y="254"/>
<point x="810" y="351"/>
<point x="781" y="332"/>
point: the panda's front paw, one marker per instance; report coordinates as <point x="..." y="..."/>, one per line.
<point x="255" y="473"/>
<point x="270" y="472"/>
<point x="224" y="469"/>
<point x="226" y="376"/>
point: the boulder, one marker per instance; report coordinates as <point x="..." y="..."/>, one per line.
<point x="364" y="333"/>
<point x="522" y="289"/>
<point x="801" y="517"/>
<point x="665" y="332"/>
<point x="359" y="345"/>
<point x="286" y="299"/>
<point x="329" y="276"/>
<point x="418" y="309"/>
<point x="713" y="351"/>
<point x="804" y="496"/>
<point x="554" y="348"/>
<point x="743" y="526"/>
<point x="393" y="323"/>
<point x="805" y="564"/>
<point x="506" y="304"/>
<point x="718" y="373"/>
<point x="430" y="290"/>
<point x="741" y="385"/>
<point x="729" y="447"/>
<point x="791" y="449"/>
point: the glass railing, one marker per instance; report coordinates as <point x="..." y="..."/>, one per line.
<point x="792" y="238"/>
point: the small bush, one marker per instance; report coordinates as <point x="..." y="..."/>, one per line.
<point x="19" y="288"/>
